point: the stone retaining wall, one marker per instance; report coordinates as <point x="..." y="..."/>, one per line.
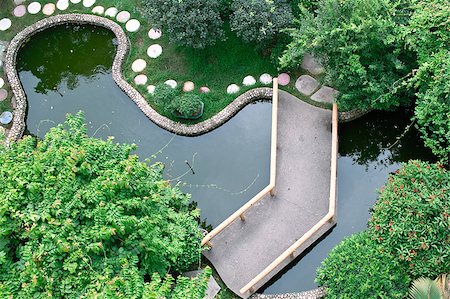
<point x="348" y="116"/>
<point x="312" y="294"/>
<point x="19" y="107"/>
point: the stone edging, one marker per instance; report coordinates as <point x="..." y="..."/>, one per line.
<point x="312" y="294"/>
<point x="348" y="116"/>
<point x="20" y="106"/>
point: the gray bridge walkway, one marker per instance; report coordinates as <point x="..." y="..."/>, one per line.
<point x="242" y="250"/>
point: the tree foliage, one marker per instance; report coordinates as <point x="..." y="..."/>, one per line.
<point x="259" y="20"/>
<point x="411" y="219"/>
<point x="82" y="218"/>
<point x="191" y="23"/>
<point x="359" y="268"/>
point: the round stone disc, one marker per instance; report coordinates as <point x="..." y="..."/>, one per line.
<point x="151" y="89"/>
<point x="75" y="1"/>
<point x="2" y="82"/>
<point x="232" y="88"/>
<point x="138" y="65"/>
<point x="3" y="94"/>
<point x="5" y="24"/>
<point x="154" y="33"/>
<point x="20" y="11"/>
<point x="140" y="79"/>
<point x="34" y="8"/>
<point x="249" y="80"/>
<point x="284" y="79"/>
<point x="99" y="10"/>
<point x="133" y="25"/>
<point x="123" y="16"/>
<point x="62" y="4"/>
<point x="88" y="3"/>
<point x="265" y="79"/>
<point x="111" y="12"/>
<point x="154" y="51"/>
<point x="6" y="117"/>
<point x="188" y="86"/>
<point x="171" y="83"/>
<point x="48" y="9"/>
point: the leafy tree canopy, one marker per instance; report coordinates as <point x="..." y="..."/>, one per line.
<point x="82" y="218"/>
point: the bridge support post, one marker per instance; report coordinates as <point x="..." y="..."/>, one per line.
<point x="242" y="216"/>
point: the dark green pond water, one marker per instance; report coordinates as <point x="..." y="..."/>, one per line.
<point x="67" y="68"/>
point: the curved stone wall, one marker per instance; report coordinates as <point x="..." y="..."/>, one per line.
<point x="20" y="105"/>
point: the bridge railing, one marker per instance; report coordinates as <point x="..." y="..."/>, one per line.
<point x="289" y="253"/>
<point x="270" y="188"/>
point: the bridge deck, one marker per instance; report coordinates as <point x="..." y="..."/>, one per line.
<point x="243" y="249"/>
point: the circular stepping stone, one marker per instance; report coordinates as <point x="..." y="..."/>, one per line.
<point x="99" y="10"/>
<point x="284" y="79"/>
<point x="18" y="2"/>
<point x="5" y="23"/>
<point x="306" y="85"/>
<point x="3" y="94"/>
<point x="154" y="33"/>
<point x="154" y="51"/>
<point x="48" y="9"/>
<point x="88" y="3"/>
<point x="204" y="89"/>
<point x="123" y="16"/>
<point x="325" y="95"/>
<point x="138" y="65"/>
<point x="132" y="25"/>
<point x="34" y="8"/>
<point x="265" y="79"/>
<point x="151" y="89"/>
<point x="140" y="79"/>
<point x="6" y="117"/>
<point x="62" y="4"/>
<point x="2" y="82"/>
<point x="311" y="65"/>
<point x="171" y="83"/>
<point x="233" y="88"/>
<point x="20" y="11"/>
<point x="111" y="12"/>
<point x="188" y="86"/>
<point x="75" y="1"/>
<point x="249" y="80"/>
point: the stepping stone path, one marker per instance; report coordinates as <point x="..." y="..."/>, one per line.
<point x="123" y="16"/>
<point x="151" y="89"/>
<point x="48" y="9"/>
<point x="3" y="94"/>
<point x="111" y="12"/>
<point x="133" y="25"/>
<point x="154" y="33"/>
<point x="2" y="82"/>
<point x="75" y="1"/>
<point x="5" y="24"/>
<point x="311" y="65"/>
<point x="232" y="88"/>
<point x="99" y="10"/>
<point x="138" y="65"/>
<point x="306" y="85"/>
<point x="154" y="51"/>
<point x="188" y="86"/>
<point x="88" y="3"/>
<point x="20" y="11"/>
<point x="171" y="83"/>
<point x="140" y="79"/>
<point x="249" y="80"/>
<point x="34" y="8"/>
<point x="62" y="4"/>
<point x="204" y="89"/>
<point x="265" y="79"/>
<point x="284" y="79"/>
<point x="325" y="95"/>
<point x="6" y="117"/>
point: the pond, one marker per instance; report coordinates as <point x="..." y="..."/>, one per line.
<point x="68" y="68"/>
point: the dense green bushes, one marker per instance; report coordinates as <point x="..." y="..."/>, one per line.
<point x="359" y="268"/>
<point x="81" y="218"/>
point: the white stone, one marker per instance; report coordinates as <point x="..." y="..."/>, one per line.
<point x="48" y="9"/>
<point x="188" y="86"/>
<point x="88" y="3"/>
<point x="140" y="79"/>
<point x="5" y="24"/>
<point x="18" y="2"/>
<point x="99" y="10"/>
<point x="20" y="11"/>
<point x="111" y="12"/>
<point x="3" y="94"/>
<point x="265" y="79"/>
<point x="132" y="25"/>
<point x="123" y="16"/>
<point x="154" y="33"/>
<point x="138" y="65"/>
<point x="204" y="89"/>
<point x="171" y="83"/>
<point x="34" y="7"/>
<point x="151" y="89"/>
<point x="75" y="1"/>
<point x="249" y="80"/>
<point x="62" y="4"/>
<point x="233" y="88"/>
<point x="2" y="82"/>
<point x="154" y="51"/>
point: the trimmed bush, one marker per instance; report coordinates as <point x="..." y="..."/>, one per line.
<point x="186" y="105"/>
<point x="411" y="219"/>
<point x="359" y="268"/>
<point x="191" y="23"/>
<point x="164" y="94"/>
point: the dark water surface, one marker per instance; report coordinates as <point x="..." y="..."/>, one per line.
<point x="68" y="68"/>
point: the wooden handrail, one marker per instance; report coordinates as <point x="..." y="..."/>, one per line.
<point x="273" y="160"/>
<point x="328" y="217"/>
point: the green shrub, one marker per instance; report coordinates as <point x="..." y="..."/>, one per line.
<point x="164" y="94"/>
<point x="259" y="20"/>
<point x="359" y="268"/>
<point x="187" y="104"/>
<point x="191" y="23"/>
<point x="411" y="219"/>
<point x="81" y="217"/>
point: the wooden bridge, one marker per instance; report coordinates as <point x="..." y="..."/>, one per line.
<point x="293" y="211"/>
